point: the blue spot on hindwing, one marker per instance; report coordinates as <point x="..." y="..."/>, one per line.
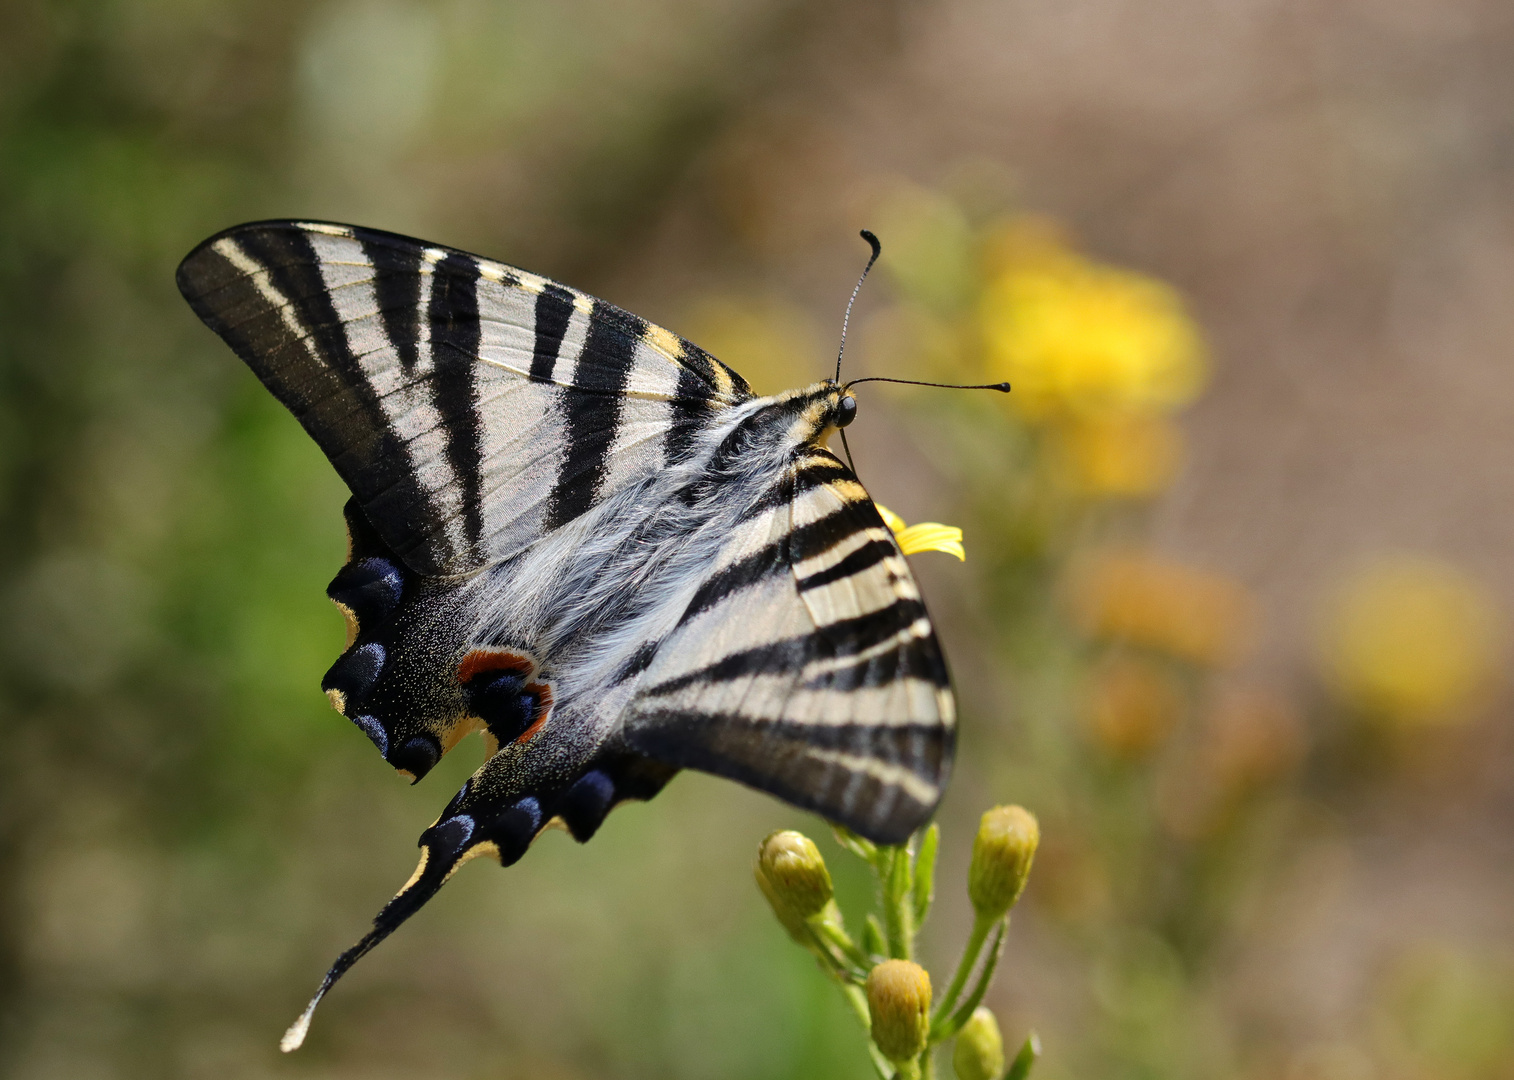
<point x="515" y="827"/>
<point x="586" y="803"/>
<point x="355" y="671"/>
<point x="370" y="588"/>
<point x="417" y="756"/>
<point x="449" y="838"/>
<point x="374" y="730"/>
<point x="503" y="704"/>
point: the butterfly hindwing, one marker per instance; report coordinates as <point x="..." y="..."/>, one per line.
<point x="471" y="407"/>
<point x="807" y="667"/>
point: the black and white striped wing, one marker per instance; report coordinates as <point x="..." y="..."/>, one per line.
<point x="806" y="666"/>
<point x="470" y="406"/>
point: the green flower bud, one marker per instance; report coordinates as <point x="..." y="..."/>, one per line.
<point x="979" y="1053"/>
<point x="1002" y="853"/>
<point x="791" y="922"/>
<point x="793" y="875"/>
<point x="898" y="999"/>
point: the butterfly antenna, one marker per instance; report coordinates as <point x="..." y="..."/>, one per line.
<point x="1002" y="387"/>
<point x="872" y="242"/>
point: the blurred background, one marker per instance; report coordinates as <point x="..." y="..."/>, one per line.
<point x="1233" y="620"/>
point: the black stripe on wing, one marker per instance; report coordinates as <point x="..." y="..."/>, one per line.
<point x="593" y="418"/>
<point x="871" y="778"/>
<point x="455" y="333"/>
<point x="397" y="287"/>
<point x="846" y="639"/>
<point x="554" y="309"/>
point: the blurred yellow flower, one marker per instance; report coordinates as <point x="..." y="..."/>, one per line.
<point x="1076" y="337"/>
<point x="1409" y="641"/>
<point x="926" y="536"/>
<point x="1121" y="455"/>
<point x="1188" y="614"/>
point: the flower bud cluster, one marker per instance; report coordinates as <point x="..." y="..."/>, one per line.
<point x="889" y="992"/>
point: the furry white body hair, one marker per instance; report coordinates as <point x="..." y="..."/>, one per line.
<point x="590" y="597"/>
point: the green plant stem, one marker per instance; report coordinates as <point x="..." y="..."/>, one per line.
<point x="851" y="962"/>
<point x="923" y="888"/>
<point x="975" y="940"/>
<point x="898" y="912"/>
<point x="907" y="1070"/>
<point x="951" y="1026"/>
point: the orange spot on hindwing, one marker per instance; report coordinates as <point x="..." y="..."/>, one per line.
<point x="505" y="691"/>
<point x="483" y="661"/>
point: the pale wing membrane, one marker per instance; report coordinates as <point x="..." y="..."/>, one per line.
<point x="807" y="666"/>
<point x="471" y="407"/>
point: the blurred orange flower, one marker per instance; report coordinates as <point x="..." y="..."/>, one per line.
<point x="1132" y="705"/>
<point x="1248" y="739"/>
<point x="1188" y="614"/>
<point x="1251" y="737"/>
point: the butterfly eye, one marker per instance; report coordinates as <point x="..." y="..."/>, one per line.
<point x="846" y="411"/>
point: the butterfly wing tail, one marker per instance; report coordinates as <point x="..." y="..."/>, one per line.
<point x="444" y="848"/>
<point x="502" y="808"/>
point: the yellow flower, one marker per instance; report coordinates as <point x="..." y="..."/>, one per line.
<point x="792" y="873"/>
<point x="1409" y="641"/>
<point x="1002" y="853"/>
<point x="1076" y="337"/>
<point x="1127" y="455"/>
<point x="926" y="536"/>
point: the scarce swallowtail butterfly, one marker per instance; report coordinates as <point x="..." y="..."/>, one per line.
<point x="587" y="537"/>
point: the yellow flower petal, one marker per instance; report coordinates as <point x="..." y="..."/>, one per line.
<point x="932" y="536"/>
<point x="926" y="536"/>
<point x="894" y="522"/>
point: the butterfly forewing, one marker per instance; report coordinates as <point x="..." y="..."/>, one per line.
<point x="470" y="406"/>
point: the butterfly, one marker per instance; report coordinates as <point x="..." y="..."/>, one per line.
<point x="587" y="538"/>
